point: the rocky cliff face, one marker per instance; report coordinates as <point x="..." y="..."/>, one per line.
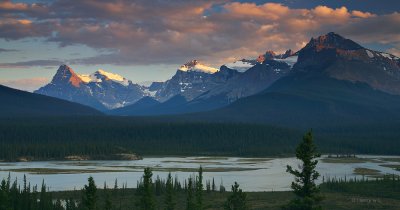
<point x="101" y="90"/>
<point x="344" y="59"/>
<point x="192" y="80"/>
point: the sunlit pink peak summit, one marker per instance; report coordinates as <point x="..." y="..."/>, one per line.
<point x="195" y="65"/>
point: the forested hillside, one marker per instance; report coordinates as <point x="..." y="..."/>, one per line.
<point x="100" y="137"/>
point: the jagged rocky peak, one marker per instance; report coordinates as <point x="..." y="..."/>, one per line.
<point x="271" y="55"/>
<point x="332" y="40"/>
<point x="285" y="55"/>
<point x="195" y="65"/>
<point x="268" y="55"/>
<point x="66" y="74"/>
<point x="190" y="64"/>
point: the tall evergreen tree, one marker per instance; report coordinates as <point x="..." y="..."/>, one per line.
<point x="44" y="202"/>
<point x="89" y="199"/>
<point x="4" y="196"/>
<point x="214" y="187"/>
<point x="237" y="200"/>
<point x="199" y="190"/>
<point x="190" y="204"/>
<point x="304" y="186"/>
<point x="107" y="199"/>
<point x="147" y="197"/>
<point x="169" y="194"/>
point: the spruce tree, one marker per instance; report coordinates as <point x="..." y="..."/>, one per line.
<point x="169" y="194"/>
<point x="304" y="186"/>
<point x="4" y="196"/>
<point x="237" y="200"/>
<point x="190" y="205"/>
<point x="89" y="199"/>
<point x="45" y="202"/>
<point x="199" y="190"/>
<point x="107" y="199"/>
<point x="146" y="201"/>
<point x="213" y="185"/>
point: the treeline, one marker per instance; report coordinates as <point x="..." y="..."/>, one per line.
<point x="100" y="137"/>
<point x="149" y="195"/>
<point x="13" y="196"/>
<point x="387" y="186"/>
<point x="55" y="138"/>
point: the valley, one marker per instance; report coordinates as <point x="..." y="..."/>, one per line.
<point x="199" y="105"/>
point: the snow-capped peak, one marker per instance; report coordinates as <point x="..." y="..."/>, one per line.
<point x="195" y="65"/>
<point x="86" y="78"/>
<point x="241" y="65"/>
<point x="97" y="77"/>
<point x="112" y="76"/>
<point x="291" y="60"/>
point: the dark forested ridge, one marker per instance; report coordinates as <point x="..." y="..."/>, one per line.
<point x="58" y="137"/>
<point x="310" y="101"/>
<point x="20" y="103"/>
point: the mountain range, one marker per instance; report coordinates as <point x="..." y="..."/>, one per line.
<point x="332" y="79"/>
<point x="335" y="81"/>
<point x="101" y="90"/>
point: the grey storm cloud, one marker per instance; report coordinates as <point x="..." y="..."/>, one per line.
<point x="7" y="50"/>
<point x="383" y="27"/>
<point x="43" y="63"/>
<point x="173" y="31"/>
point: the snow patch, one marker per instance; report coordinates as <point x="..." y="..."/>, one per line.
<point x="147" y="92"/>
<point x="389" y="56"/>
<point x="369" y="53"/>
<point x="386" y="55"/>
<point x="199" y="68"/>
<point x="289" y="60"/>
<point x="87" y="78"/>
<point x="240" y="65"/>
<point x="195" y="65"/>
<point x="114" y="77"/>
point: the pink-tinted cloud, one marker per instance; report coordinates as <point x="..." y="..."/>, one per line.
<point x="173" y="31"/>
<point x="27" y="64"/>
<point x="361" y="14"/>
<point x="394" y="51"/>
<point x="9" y="5"/>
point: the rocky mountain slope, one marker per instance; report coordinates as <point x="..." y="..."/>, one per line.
<point x="101" y="90"/>
<point x="334" y="82"/>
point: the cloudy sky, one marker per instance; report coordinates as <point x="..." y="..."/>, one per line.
<point x="147" y="40"/>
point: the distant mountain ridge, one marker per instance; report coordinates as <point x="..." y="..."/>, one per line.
<point x="197" y="87"/>
<point x="335" y="81"/>
<point x="24" y="104"/>
<point x="344" y="59"/>
<point x="101" y="90"/>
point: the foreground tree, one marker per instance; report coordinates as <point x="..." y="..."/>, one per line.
<point x="169" y="196"/>
<point x="107" y="199"/>
<point x="147" y="197"/>
<point x="89" y="199"/>
<point x="190" y="204"/>
<point x="236" y="201"/>
<point x="199" y="190"/>
<point x="304" y="186"/>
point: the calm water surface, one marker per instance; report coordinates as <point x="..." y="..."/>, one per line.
<point x="253" y="174"/>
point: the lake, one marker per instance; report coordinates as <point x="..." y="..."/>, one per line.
<point x="253" y="174"/>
